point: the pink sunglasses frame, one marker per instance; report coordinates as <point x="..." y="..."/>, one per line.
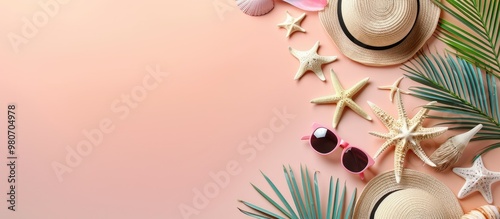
<point x="345" y="146"/>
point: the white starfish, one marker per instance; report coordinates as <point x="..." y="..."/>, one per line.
<point x="292" y="24"/>
<point x="311" y="61"/>
<point x="393" y="88"/>
<point x="405" y="134"/>
<point x="343" y="98"/>
<point x="477" y="178"/>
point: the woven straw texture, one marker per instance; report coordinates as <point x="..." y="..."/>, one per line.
<point x="381" y="23"/>
<point x="418" y="195"/>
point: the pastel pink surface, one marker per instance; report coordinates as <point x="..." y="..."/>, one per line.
<point x="228" y="104"/>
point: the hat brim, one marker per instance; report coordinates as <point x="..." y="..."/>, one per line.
<point x="423" y="29"/>
<point x="385" y="183"/>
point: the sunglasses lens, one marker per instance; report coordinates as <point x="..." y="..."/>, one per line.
<point x="355" y="160"/>
<point x="323" y="140"/>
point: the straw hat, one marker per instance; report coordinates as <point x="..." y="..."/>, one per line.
<point x="418" y="195"/>
<point x="380" y="32"/>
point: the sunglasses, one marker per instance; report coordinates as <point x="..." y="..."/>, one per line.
<point x="324" y="142"/>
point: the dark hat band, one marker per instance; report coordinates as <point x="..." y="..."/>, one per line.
<point x="359" y="43"/>
<point x="375" y="207"/>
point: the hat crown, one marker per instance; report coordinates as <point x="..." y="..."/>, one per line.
<point x="379" y="22"/>
<point x="410" y="203"/>
<point x="418" y="195"/>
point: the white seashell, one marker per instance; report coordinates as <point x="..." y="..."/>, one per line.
<point x="255" y="7"/>
<point x="484" y="212"/>
<point x="450" y="151"/>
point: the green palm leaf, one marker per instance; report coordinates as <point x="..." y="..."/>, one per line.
<point x="307" y="199"/>
<point x="461" y="90"/>
<point x="478" y="42"/>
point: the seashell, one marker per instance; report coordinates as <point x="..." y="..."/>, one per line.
<point x="308" y="5"/>
<point x="255" y="7"/>
<point x="483" y="212"/>
<point x="449" y="152"/>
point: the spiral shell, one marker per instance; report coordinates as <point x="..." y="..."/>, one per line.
<point x="484" y="212"/>
<point x="255" y="7"/>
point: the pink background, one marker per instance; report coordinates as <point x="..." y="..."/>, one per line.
<point x="228" y="75"/>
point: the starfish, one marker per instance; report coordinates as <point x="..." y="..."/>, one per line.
<point x="393" y="88"/>
<point x="311" y="61"/>
<point x="405" y="134"/>
<point x="343" y="98"/>
<point x="477" y="178"/>
<point x="292" y="24"/>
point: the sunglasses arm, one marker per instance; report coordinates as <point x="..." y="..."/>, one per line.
<point x="362" y="176"/>
<point x="370" y="163"/>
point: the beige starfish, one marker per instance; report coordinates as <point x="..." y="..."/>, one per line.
<point x="311" y="61"/>
<point x="343" y="98"/>
<point x="405" y="134"/>
<point x="292" y="24"/>
<point x="393" y="88"/>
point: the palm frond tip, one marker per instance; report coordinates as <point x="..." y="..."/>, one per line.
<point x="306" y="199"/>
<point x="478" y="39"/>
<point x="460" y="89"/>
